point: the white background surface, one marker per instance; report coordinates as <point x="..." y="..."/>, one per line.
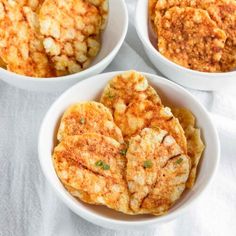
<point x="28" y="206"/>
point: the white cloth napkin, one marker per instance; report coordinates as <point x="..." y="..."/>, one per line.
<point x="28" y="205"/>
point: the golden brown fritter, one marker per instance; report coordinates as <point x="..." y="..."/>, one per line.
<point x="87" y="117"/>
<point x="169" y="186"/>
<point x="152" y="154"/>
<point x="138" y="115"/>
<point x="189" y="37"/>
<point x="144" y="113"/>
<point x="222" y="12"/>
<point x="185" y="117"/>
<point x="92" y="165"/>
<point x="135" y="105"/>
<point x="194" y="142"/>
<point x="56" y="37"/>
<point x="126" y="88"/>
<point x="21" y="45"/>
<point x="167" y="121"/>
<point x="71" y="30"/>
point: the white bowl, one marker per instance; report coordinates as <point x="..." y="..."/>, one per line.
<point x="179" y="74"/>
<point x="112" y="39"/>
<point x="90" y="90"/>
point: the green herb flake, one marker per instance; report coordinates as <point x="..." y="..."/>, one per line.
<point x="179" y="161"/>
<point x="109" y="95"/>
<point x="99" y="163"/>
<point x="147" y="164"/>
<point x="105" y="167"/>
<point x="82" y="121"/>
<point x="123" y="152"/>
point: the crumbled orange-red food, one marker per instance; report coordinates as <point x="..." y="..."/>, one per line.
<point x="222" y="12"/>
<point x="71" y="33"/>
<point x="56" y="37"/>
<point x="189" y="37"/>
<point x="21" y="45"/>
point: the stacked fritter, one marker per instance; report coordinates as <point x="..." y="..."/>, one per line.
<point x="197" y="34"/>
<point x="46" y="38"/>
<point x="129" y="152"/>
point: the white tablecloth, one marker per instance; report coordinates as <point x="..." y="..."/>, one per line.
<point x="28" y="205"/>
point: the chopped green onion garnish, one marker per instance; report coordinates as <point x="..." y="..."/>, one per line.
<point x="123" y="152"/>
<point x="179" y="161"/>
<point x="82" y="121"/>
<point x="109" y="95"/>
<point x="147" y="164"/>
<point x="105" y="167"/>
<point x="99" y="163"/>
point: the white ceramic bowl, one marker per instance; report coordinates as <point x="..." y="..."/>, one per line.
<point x="89" y="89"/>
<point x="179" y="74"/>
<point x="112" y="39"/>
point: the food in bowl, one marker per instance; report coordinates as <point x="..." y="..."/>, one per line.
<point x="97" y="175"/>
<point x="136" y="105"/>
<point x="144" y="174"/>
<point x="51" y="38"/>
<point x="75" y="121"/>
<point x="197" y="34"/>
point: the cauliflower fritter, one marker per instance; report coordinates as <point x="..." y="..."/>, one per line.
<point x="71" y="30"/>
<point x="195" y="144"/>
<point x="126" y="88"/>
<point x="169" y="186"/>
<point x="150" y="155"/>
<point x="48" y="38"/>
<point x="92" y="165"/>
<point x="87" y="117"/>
<point x="21" y="45"/>
<point x="136" y="105"/>
<point x="222" y="12"/>
<point x="190" y="38"/>
<point x="144" y="113"/>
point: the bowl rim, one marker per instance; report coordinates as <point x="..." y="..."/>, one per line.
<point x="95" y="218"/>
<point x="82" y="73"/>
<point x="147" y="43"/>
